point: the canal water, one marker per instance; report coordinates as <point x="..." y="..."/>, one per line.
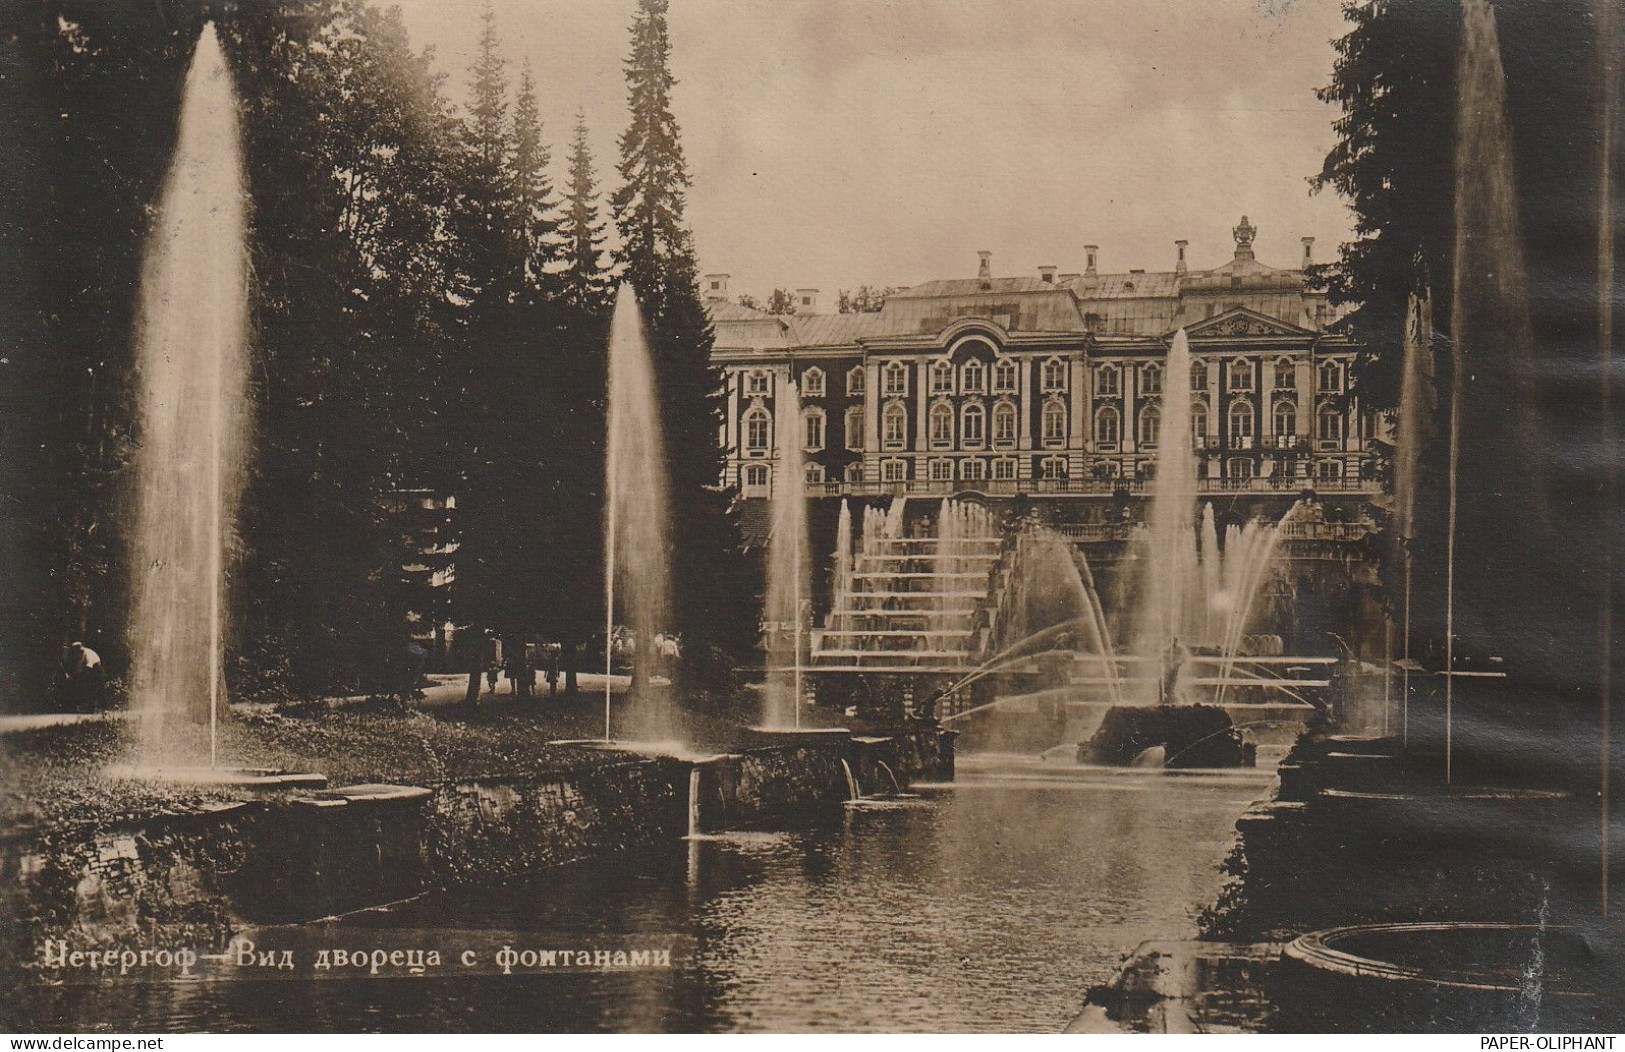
<point x="988" y="905"/>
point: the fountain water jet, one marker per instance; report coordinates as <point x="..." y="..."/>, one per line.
<point x="636" y="571"/>
<point x="787" y="575"/>
<point x="191" y="361"/>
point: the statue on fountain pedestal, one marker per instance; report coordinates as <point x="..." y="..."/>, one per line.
<point x="1173" y="660"/>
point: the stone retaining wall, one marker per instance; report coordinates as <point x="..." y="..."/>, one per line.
<point x="197" y="878"/>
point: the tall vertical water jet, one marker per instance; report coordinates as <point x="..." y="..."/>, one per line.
<point x="787" y="563"/>
<point x="1418" y="410"/>
<point x="191" y="364"/>
<point x="637" y="570"/>
<point x="1495" y="509"/>
<point x="841" y="582"/>
<point x="1168" y="560"/>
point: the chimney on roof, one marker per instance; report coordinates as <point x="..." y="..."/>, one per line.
<point x="806" y="301"/>
<point x="1308" y="252"/>
<point x="1046" y="274"/>
<point x="1089" y="253"/>
<point x="716" y="287"/>
<point x="1179" y="256"/>
<point x="984" y="269"/>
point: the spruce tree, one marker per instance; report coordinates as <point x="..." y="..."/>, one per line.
<point x="711" y="606"/>
<point x="585" y="281"/>
<point x="536" y="207"/>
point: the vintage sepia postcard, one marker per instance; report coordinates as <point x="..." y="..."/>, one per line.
<point x="778" y="516"/>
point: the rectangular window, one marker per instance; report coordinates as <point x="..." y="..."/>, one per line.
<point x="894" y="470"/>
<point x="1004" y="469"/>
<point x="973" y="470"/>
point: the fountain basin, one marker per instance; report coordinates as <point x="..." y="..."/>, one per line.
<point x="1464" y="955"/>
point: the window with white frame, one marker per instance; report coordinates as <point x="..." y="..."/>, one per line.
<point x="1328" y="425"/>
<point x="812" y="383"/>
<point x="854" y="381"/>
<point x="1004" y="424"/>
<point x="1150" y="426"/>
<point x="1285" y="418"/>
<point x="1005" y="376"/>
<point x="1331" y="469"/>
<point x="893" y="470"/>
<point x="940" y="423"/>
<point x="1241" y="374"/>
<point x="973" y="469"/>
<point x="1286" y="375"/>
<point x="812" y="429"/>
<point x="1199" y="422"/>
<point x="972" y="377"/>
<point x="813" y="474"/>
<point x="854" y="428"/>
<point x="1107" y="381"/>
<point x="1241" y="468"/>
<point x="758" y="429"/>
<point x="1198" y="376"/>
<point x="1331" y="376"/>
<point x="1004" y="469"/>
<point x="942" y="377"/>
<point x="1108" y="427"/>
<point x="896" y="374"/>
<point x="1241" y="423"/>
<point x="1151" y="379"/>
<point x="756" y="476"/>
<point x="1054" y="429"/>
<point x="756" y="382"/>
<point x="894" y="426"/>
<point x="973" y="426"/>
<point x="854" y="471"/>
<point x="1054" y="375"/>
<point x="942" y="470"/>
<point x="1053" y="468"/>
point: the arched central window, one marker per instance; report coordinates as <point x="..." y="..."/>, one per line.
<point x="756" y="383"/>
<point x="758" y="426"/>
<point x="894" y="426"/>
<point x="812" y="430"/>
<point x="973" y="426"/>
<point x="1329" y="424"/>
<point x="1054" y="422"/>
<point x="1004" y="376"/>
<point x="1241" y="375"/>
<point x="896" y="378"/>
<point x="941" y="423"/>
<point x="812" y="383"/>
<point x="1108" y="427"/>
<point x="854" y="380"/>
<point x="1004" y="424"/>
<point x="1106" y="382"/>
<point x="1241" y="423"/>
<point x="1150" y="426"/>
<point x="1151" y="379"/>
<point x="942" y="378"/>
<point x="1286" y="418"/>
<point x="972" y="377"/>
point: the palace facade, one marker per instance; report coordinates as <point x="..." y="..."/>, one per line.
<point x="1051" y="384"/>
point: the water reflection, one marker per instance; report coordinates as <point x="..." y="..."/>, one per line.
<point x="990" y="906"/>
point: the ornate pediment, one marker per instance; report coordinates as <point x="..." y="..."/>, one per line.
<point x="1239" y="321"/>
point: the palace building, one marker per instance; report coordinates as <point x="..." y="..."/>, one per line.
<point x="1051" y="385"/>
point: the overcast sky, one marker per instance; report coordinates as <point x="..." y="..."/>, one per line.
<point x="835" y="143"/>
